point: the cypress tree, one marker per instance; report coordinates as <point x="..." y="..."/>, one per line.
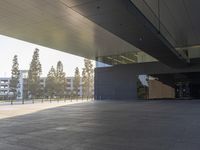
<point x="50" y="82"/>
<point x="76" y="82"/>
<point x="14" y="76"/>
<point x="88" y="78"/>
<point x="34" y="73"/>
<point x="60" y="80"/>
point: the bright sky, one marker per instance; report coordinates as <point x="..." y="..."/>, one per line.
<point x="48" y="57"/>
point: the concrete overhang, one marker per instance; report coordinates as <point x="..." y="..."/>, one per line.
<point x="88" y="28"/>
<point x="52" y="23"/>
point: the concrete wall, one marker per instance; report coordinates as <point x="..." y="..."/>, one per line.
<point x="119" y="82"/>
<point x="114" y="84"/>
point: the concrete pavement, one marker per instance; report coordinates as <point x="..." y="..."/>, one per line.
<point x="106" y="125"/>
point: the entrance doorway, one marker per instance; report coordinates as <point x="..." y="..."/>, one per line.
<point x="174" y="86"/>
<point x="182" y="90"/>
<point x="188" y="87"/>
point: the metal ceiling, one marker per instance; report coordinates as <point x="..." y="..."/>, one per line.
<point x="180" y="19"/>
<point x="52" y="23"/>
<point x="179" y="22"/>
<point x="122" y="18"/>
<point x="93" y="28"/>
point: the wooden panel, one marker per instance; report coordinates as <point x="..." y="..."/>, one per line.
<point x="159" y="90"/>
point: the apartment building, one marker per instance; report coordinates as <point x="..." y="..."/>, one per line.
<point x="4" y="86"/>
<point x="22" y="86"/>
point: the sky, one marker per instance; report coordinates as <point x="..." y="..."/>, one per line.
<point x="48" y="57"/>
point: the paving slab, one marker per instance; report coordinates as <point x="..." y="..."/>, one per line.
<point x="106" y="125"/>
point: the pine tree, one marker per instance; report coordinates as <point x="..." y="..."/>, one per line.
<point x="88" y="78"/>
<point x="50" y="82"/>
<point x="60" y="80"/>
<point x="14" y="76"/>
<point x="84" y="83"/>
<point x="34" y="73"/>
<point x="76" y="82"/>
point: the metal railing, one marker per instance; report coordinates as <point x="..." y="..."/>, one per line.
<point x="44" y="100"/>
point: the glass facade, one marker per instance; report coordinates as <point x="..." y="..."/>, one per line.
<point x="169" y="86"/>
<point x="124" y="58"/>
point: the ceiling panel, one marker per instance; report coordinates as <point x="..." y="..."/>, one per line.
<point x="179" y="19"/>
<point x="92" y="28"/>
<point x="124" y="20"/>
<point x="193" y="8"/>
<point x="55" y="25"/>
<point x="72" y="3"/>
<point x="97" y="7"/>
<point x="180" y="24"/>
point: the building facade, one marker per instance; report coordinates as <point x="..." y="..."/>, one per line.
<point x="4" y="86"/>
<point x="22" y="86"/>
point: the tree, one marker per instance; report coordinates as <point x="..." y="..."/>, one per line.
<point x="88" y="78"/>
<point x="142" y="90"/>
<point x="50" y="82"/>
<point x="76" y="81"/>
<point x="60" y="80"/>
<point x="84" y="83"/>
<point x="34" y="73"/>
<point x="14" y="76"/>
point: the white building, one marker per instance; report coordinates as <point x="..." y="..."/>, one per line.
<point x="70" y="86"/>
<point x="4" y="86"/>
<point x="23" y="74"/>
<point x="22" y="85"/>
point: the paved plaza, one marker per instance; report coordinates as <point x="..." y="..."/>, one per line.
<point x="8" y="110"/>
<point x="106" y="125"/>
